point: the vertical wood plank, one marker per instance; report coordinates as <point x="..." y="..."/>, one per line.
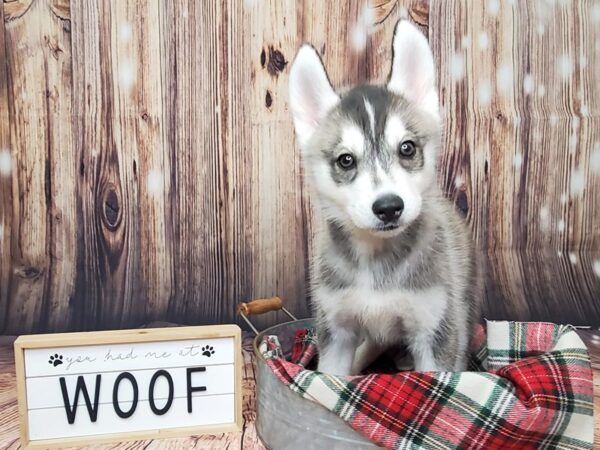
<point x="7" y="173"/>
<point x="195" y="132"/>
<point x="44" y="224"/>
<point x="108" y="249"/>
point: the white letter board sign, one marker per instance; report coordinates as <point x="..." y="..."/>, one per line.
<point x="107" y="386"/>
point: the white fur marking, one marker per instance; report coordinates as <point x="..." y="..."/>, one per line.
<point x="394" y="131"/>
<point x="371" y="114"/>
<point x="353" y="139"/>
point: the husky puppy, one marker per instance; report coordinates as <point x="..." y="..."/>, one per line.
<point x="394" y="263"/>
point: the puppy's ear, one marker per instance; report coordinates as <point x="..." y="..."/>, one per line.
<point x="413" y="71"/>
<point x="311" y="94"/>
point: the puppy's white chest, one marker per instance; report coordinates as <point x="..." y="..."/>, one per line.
<point x="385" y="314"/>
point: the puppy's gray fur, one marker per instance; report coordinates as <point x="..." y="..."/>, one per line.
<point x="376" y="285"/>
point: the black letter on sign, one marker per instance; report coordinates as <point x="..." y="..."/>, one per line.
<point x="118" y="410"/>
<point x="191" y="388"/>
<point x="155" y="410"/>
<point x="80" y="387"/>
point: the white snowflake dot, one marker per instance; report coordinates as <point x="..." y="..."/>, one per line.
<point x="504" y="77"/>
<point x="595" y="12"/>
<point x="564" y="198"/>
<point x="565" y="66"/>
<point x="457" y="66"/>
<point x="154" y="183"/>
<point x="584" y="109"/>
<point x="125" y="32"/>
<point x="561" y="226"/>
<point x="465" y="41"/>
<point x="5" y="162"/>
<point x="583" y="61"/>
<point x="528" y="84"/>
<point x="573" y="258"/>
<point x="493" y="7"/>
<point x="553" y="120"/>
<point x="541" y="29"/>
<point x="126" y="75"/>
<point x="595" y="158"/>
<point x="596" y="267"/>
<point x="482" y="40"/>
<point x="544" y="218"/>
<point x="485" y="93"/>
<point x="459" y="181"/>
<point x="559" y="253"/>
<point x="518" y="160"/>
<point x="541" y="90"/>
<point x="577" y="181"/>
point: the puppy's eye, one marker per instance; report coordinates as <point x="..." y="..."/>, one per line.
<point x="346" y="161"/>
<point x="407" y="149"/>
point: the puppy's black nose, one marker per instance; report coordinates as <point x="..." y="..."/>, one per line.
<point x="388" y="207"/>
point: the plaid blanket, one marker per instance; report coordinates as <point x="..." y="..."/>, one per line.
<point x="533" y="389"/>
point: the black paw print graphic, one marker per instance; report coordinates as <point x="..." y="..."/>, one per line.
<point x="56" y="359"/>
<point x="208" y="350"/>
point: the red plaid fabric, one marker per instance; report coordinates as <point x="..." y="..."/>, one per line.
<point x="533" y="390"/>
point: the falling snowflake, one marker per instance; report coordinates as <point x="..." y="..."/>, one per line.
<point x="504" y="78"/>
<point x="565" y="66"/>
<point x="362" y="28"/>
<point x="561" y="226"/>
<point x="125" y="32"/>
<point x="541" y="90"/>
<point x="493" y="7"/>
<point x="457" y="66"/>
<point x="154" y="183"/>
<point x="577" y="182"/>
<point x="559" y="253"/>
<point x="544" y="218"/>
<point x="564" y="198"/>
<point x="572" y="142"/>
<point x="126" y="75"/>
<point x="482" y="40"/>
<point x="528" y="84"/>
<point x="573" y="258"/>
<point x="518" y="160"/>
<point x="596" y="267"/>
<point x="459" y="182"/>
<point x="595" y="12"/>
<point x="584" y="109"/>
<point x="595" y="158"/>
<point x="553" y="119"/>
<point x="5" y="162"/>
<point x="485" y="93"/>
<point x="465" y="41"/>
<point x="575" y="123"/>
<point x="541" y="29"/>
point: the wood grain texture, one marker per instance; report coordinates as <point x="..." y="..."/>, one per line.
<point x="155" y="175"/>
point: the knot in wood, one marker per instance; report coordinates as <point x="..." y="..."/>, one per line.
<point x="276" y="62"/>
<point x="111" y="207"/>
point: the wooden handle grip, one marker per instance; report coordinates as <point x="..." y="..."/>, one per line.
<point x="260" y="306"/>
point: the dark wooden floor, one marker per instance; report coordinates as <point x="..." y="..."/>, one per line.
<point x="246" y="439"/>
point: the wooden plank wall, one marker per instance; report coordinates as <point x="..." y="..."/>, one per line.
<point x="148" y="168"/>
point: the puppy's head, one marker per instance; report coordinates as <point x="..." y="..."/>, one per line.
<point x="370" y="152"/>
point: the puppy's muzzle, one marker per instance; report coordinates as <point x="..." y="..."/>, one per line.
<point x="388" y="208"/>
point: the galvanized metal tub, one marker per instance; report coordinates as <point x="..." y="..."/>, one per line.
<point x="287" y="421"/>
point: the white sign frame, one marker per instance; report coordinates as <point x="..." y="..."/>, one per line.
<point x="108" y="338"/>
